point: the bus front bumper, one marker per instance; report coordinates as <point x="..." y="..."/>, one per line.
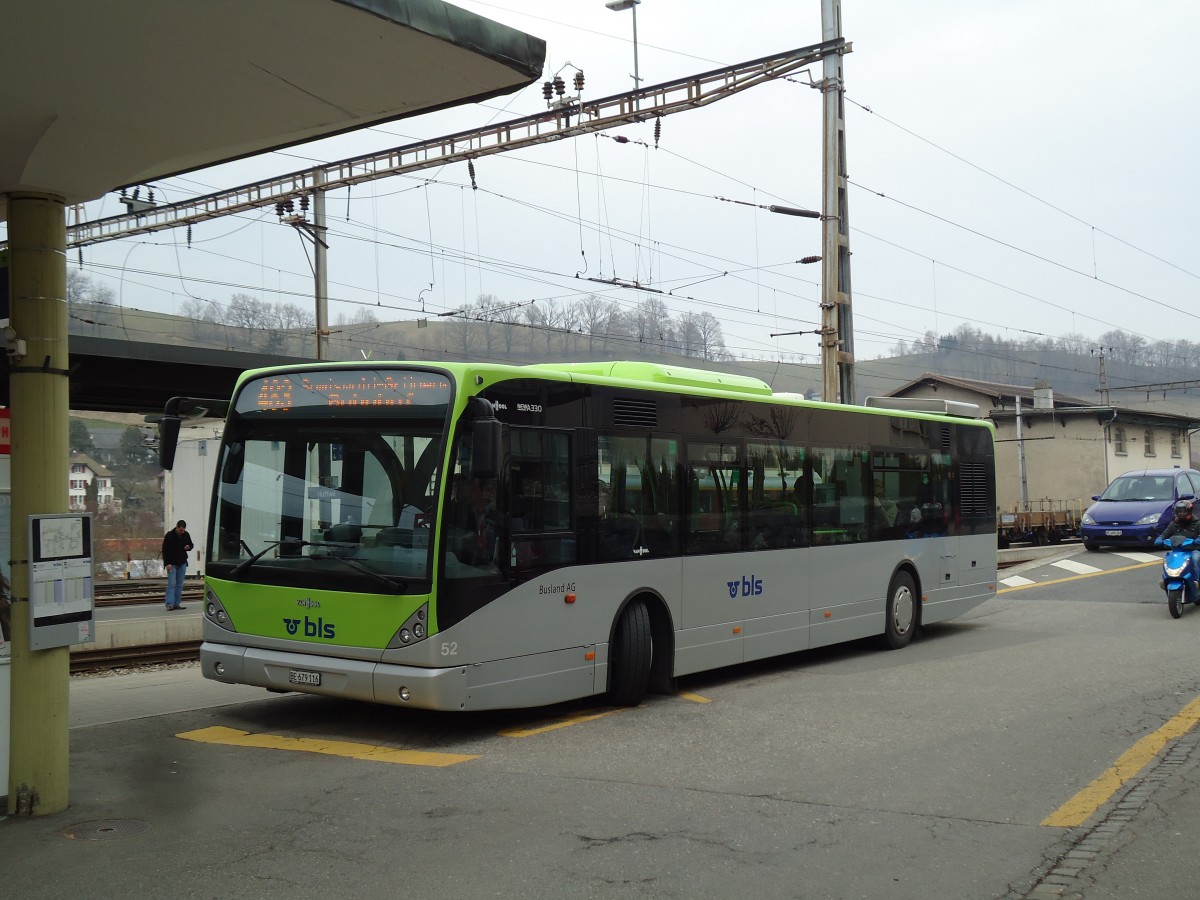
<point x="353" y="679"/>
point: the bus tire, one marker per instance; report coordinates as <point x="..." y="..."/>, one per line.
<point x="901" y="612"/>
<point x="630" y="656"/>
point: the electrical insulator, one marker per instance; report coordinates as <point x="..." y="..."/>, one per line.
<point x="657" y="130"/>
<point x="547" y="90"/>
<point x="279" y="209"/>
<point x="560" y="86"/>
<point x="149" y="195"/>
<point x="579" y="81"/>
<point x="304" y="204"/>
<point x="189" y="235"/>
<point x="136" y="191"/>
<point x="471" y="172"/>
<point x="809" y="260"/>
<point x="620" y="139"/>
<point x="289" y="206"/>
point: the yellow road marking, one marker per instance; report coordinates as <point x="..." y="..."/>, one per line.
<point x="580" y="717"/>
<point x="1022" y="587"/>
<point x="572" y="719"/>
<point x="1079" y="808"/>
<point x="218" y="734"/>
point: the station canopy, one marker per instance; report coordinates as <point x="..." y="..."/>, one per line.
<point x="98" y="96"/>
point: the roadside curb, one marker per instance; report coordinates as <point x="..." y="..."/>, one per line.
<point x="1081" y="864"/>
<point x="1013" y="556"/>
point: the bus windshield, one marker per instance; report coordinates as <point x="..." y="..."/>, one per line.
<point x="345" y="505"/>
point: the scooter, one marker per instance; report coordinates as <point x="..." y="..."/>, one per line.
<point x="1180" y="580"/>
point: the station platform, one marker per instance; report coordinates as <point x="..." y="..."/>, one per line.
<point x="146" y="623"/>
<point x="150" y="623"/>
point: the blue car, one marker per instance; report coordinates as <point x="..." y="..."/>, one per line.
<point x="1136" y="507"/>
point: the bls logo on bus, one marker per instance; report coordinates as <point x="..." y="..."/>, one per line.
<point x="751" y="587"/>
<point x="318" y="629"/>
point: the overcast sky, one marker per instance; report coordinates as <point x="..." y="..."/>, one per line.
<point x="1027" y="168"/>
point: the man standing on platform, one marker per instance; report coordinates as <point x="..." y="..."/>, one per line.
<point x="176" y="545"/>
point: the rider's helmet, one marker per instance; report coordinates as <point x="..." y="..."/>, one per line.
<point x="1183" y="511"/>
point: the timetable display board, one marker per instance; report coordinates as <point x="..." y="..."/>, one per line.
<point x="61" y="575"/>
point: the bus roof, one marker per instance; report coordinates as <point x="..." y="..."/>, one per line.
<point x="650" y="376"/>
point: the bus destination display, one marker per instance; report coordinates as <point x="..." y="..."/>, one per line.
<point x="357" y="388"/>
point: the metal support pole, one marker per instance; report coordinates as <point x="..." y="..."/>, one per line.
<point x="1024" y="507"/>
<point x="40" y="747"/>
<point x="320" y="264"/>
<point x="637" y="78"/>
<point x="837" y="322"/>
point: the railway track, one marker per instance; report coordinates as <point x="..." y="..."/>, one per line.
<point x="133" y="657"/>
<point x="134" y="593"/>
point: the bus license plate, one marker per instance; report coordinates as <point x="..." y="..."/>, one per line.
<point x="295" y="676"/>
<point x="1113" y="533"/>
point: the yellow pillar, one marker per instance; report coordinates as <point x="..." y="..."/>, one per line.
<point x="37" y="240"/>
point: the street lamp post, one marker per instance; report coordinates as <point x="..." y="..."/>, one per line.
<point x="619" y="6"/>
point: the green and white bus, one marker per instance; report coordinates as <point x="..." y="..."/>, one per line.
<point x="465" y="537"/>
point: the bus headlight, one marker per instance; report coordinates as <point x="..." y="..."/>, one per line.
<point x="214" y="612"/>
<point x="412" y="630"/>
<point x="405" y="694"/>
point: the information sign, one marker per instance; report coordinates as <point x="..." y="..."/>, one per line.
<point x="61" y="574"/>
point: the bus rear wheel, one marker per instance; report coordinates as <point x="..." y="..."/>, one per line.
<point x="901" y="612"/>
<point x="630" y="656"/>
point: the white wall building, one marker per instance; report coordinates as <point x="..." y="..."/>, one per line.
<point x="83" y="471"/>
<point x="187" y="490"/>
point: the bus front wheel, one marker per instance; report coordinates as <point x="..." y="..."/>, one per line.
<point x="630" y="656"/>
<point x="901" y="612"/>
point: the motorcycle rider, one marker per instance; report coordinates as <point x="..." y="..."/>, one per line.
<point x="1184" y="524"/>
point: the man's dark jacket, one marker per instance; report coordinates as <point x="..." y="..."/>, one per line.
<point x="175" y="548"/>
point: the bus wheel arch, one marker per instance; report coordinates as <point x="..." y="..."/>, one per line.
<point x="641" y="650"/>
<point x="903" y="608"/>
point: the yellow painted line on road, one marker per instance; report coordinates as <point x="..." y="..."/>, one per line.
<point x="234" y="737"/>
<point x="572" y="719"/>
<point x="1025" y="587"/>
<point x="579" y="718"/>
<point x="1079" y="808"/>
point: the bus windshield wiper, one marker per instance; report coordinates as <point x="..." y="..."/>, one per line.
<point x="247" y="563"/>
<point x="396" y="585"/>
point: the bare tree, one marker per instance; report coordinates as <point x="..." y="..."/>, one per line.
<point x="598" y="318"/>
<point x="650" y="324"/>
<point x="548" y="316"/>
<point x="712" y="338"/>
<point x="507" y="319"/>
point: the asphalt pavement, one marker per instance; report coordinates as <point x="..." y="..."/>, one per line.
<point x="145" y="819"/>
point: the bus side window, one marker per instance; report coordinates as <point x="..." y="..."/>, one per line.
<point x="538" y="511"/>
<point x="639" y="511"/>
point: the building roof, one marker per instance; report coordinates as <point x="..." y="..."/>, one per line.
<point x="97" y="468"/>
<point x="997" y="391"/>
<point x="1003" y="397"/>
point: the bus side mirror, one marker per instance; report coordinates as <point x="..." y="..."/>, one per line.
<point x="168" y="437"/>
<point x="487" y="454"/>
<point x="235" y="457"/>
